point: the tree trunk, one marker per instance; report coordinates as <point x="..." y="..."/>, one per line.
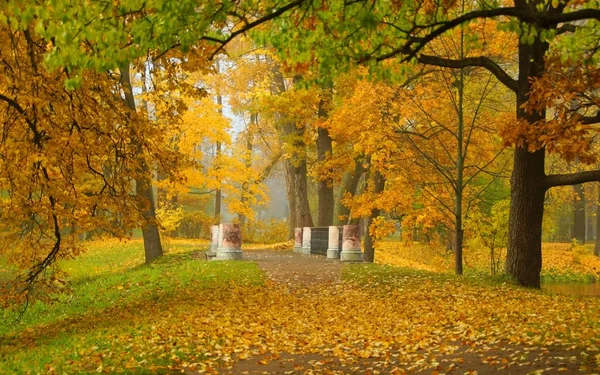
<point x="597" y="244"/>
<point x="291" y="188"/>
<point x="460" y="167"/>
<point x="248" y="164"/>
<point x="152" y="244"/>
<point x="369" y="250"/>
<point x="325" y="186"/>
<point x="350" y="184"/>
<point x="578" y="232"/>
<point x="524" y="253"/>
<point x="303" y="215"/>
<point x="218" y="192"/>
<point x="143" y="187"/>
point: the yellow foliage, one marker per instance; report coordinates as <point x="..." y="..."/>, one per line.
<point x="414" y="255"/>
<point x="558" y="259"/>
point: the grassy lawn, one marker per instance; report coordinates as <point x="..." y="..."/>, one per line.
<point x="111" y="295"/>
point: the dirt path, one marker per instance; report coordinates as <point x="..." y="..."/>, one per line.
<point x="296" y="270"/>
<point x="310" y="271"/>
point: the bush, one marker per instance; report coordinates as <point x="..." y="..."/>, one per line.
<point x="490" y="232"/>
<point x="267" y="232"/>
<point x="195" y="224"/>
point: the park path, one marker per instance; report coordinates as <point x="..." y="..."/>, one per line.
<point x="299" y="271"/>
<point x="296" y="270"/>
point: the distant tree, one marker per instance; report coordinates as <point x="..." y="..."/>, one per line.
<point x="556" y="44"/>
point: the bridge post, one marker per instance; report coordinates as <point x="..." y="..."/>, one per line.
<point x="297" y="240"/>
<point x="333" y="247"/>
<point x="305" y="240"/>
<point x="230" y="242"/>
<point x="351" y="244"/>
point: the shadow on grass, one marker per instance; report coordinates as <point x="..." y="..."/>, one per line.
<point x="107" y="300"/>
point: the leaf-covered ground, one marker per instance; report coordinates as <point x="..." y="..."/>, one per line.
<point x="186" y="315"/>
<point x="560" y="261"/>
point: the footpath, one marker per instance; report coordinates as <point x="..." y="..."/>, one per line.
<point x="300" y="274"/>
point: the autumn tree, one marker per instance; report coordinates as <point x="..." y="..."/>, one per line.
<point x="556" y="43"/>
<point x="70" y="157"/>
<point x="450" y="120"/>
<point x="78" y="144"/>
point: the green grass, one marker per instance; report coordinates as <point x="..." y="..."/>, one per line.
<point x="109" y="281"/>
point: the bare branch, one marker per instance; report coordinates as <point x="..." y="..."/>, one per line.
<point x="248" y="26"/>
<point x="480" y="61"/>
<point x="570" y="179"/>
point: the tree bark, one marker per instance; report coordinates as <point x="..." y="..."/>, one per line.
<point x="350" y="185"/>
<point x="143" y="186"/>
<point x="218" y="192"/>
<point x="325" y="186"/>
<point x="295" y="166"/>
<point x="524" y="253"/>
<point x="369" y="250"/>
<point x="303" y="215"/>
<point x="578" y="232"/>
<point x="460" y="166"/>
<point x="248" y="164"/>
<point x="291" y="188"/>
<point x="597" y="242"/>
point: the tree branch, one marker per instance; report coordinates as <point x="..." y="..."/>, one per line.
<point x="570" y="178"/>
<point x="480" y="61"/>
<point x="553" y="19"/>
<point x="248" y="26"/>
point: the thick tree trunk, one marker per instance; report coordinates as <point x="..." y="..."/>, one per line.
<point x="369" y="250"/>
<point x="143" y="187"/>
<point x="325" y="186"/>
<point x="303" y="215"/>
<point x="524" y="253"/>
<point x="578" y="232"/>
<point x="349" y="186"/>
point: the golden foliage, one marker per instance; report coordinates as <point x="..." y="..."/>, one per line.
<point x="69" y="159"/>
<point x="559" y="260"/>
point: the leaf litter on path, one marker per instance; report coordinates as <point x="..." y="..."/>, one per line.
<point x="307" y="319"/>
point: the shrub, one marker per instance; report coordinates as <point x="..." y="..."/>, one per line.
<point x="268" y="232"/>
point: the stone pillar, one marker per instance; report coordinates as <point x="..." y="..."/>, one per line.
<point x="298" y="240"/>
<point x="351" y="244"/>
<point x="305" y="240"/>
<point x="214" y="238"/>
<point x="333" y="247"/>
<point x="220" y="237"/>
<point x="230" y="244"/>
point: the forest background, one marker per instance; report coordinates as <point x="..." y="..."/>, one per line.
<point x="407" y="118"/>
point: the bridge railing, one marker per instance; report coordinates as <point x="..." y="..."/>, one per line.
<point x="336" y="242"/>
